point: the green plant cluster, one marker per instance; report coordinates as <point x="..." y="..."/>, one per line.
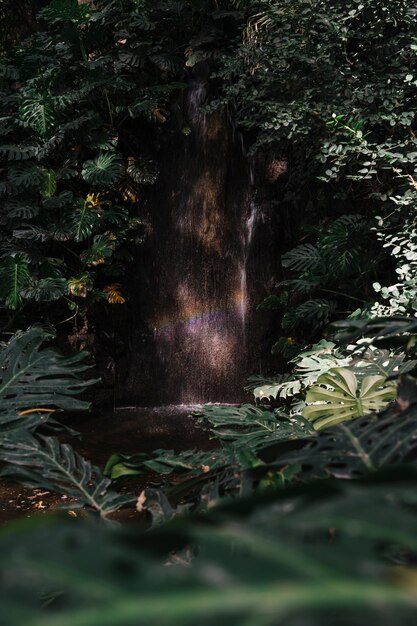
<point x="78" y="97"/>
<point x="329" y="88"/>
<point x="37" y="382"/>
<point x="65" y="224"/>
<point x="315" y="526"/>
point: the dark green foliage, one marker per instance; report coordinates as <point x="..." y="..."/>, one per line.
<point x="45" y="463"/>
<point x="67" y="93"/>
<point x="251" y="427"/>
<point x="391" y="331"/>
<point x="359" y="573"/>
<point x="371" y="442"/>
<point x="105" y="170"/>
<point x="328" y="90"/>
<point x="14" y="276"/>
<point x="36" y="110"/>
<point x="33" y="377"/>
<point x="78" y="97"/>
<point x="34" y="383"/>
<point x="165" y="462"/>
<point x="337" y="264"/>
<point x="142" y="172"/>
<point x="46" y="289"/>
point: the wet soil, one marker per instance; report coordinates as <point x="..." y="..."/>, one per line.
<point x="128" y="431"/>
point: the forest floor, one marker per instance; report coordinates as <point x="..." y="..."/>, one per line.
<point x="127" y="431"/>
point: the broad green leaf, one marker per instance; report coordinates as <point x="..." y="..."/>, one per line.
<point x="363" y="445"/>
<point x="337" y="397"/>
<point x="254" y="427"/>
<point x="105" y="170"/>
<point x="14" y="276"/>
<point x="49" y="185"/>
<point x="37" y="111"/>
<point x="45" y="463"/>
<point x="33" y="377"/>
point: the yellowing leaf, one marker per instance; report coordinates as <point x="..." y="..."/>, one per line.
<point x="113" y="294"/>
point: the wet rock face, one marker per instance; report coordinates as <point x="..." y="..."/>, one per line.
<point x="209" y="262"/>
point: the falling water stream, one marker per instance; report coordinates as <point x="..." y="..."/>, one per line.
<point x="201" y="262"/>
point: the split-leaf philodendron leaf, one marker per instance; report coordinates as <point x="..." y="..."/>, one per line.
<point x="338" y="397"/>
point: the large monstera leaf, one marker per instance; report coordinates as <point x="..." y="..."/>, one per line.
<point x="104" y="170"/>
<point x="35" y="378"/>
<point x="14" y="276"/>
<point x="365" y="445"/>
<point x="338" y="396"/>
<point x="45" y="463"/>
<point x="254" y="427"/>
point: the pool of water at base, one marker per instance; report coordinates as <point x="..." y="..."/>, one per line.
<point x="127" y="430"/>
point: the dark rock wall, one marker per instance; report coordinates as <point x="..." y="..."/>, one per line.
<point x="191" y="330"/>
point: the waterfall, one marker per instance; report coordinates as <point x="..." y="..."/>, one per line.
<point x="198" y="270"/>
<point x="198" y="332"/>
<point x="246" y="239"/>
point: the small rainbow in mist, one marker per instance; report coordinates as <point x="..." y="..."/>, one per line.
<point x="195" y="317"/>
